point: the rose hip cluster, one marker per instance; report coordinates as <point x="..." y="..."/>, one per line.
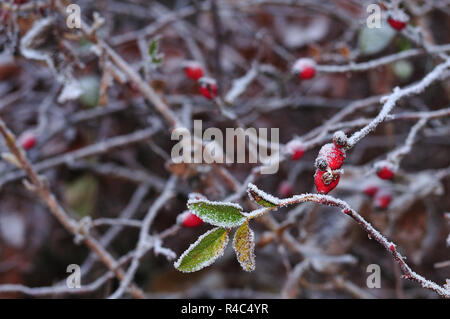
<point x="207" y="86"/>
<point x="328" y="163"/>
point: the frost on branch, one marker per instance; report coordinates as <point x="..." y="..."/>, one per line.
<point x="220" y="214"/>
<point x="260" y="197"/>
<point x="204" y="251"/>
<point x="244" y="246"/>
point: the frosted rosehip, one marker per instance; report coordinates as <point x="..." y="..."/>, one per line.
<point x="370" y="190"/>
<point x="340" y="140"/>
<point x="305" y="68"/>
<point x="193" y="70"/>
<point x="27" y="140"/>
<point x="296" y="149"/>
<point x="325" y="181"/>
<point x="332" y="155"/>
<point x="396" y="24"/>
<point x="187" y="219"/>
<point x="285" y="189"/>
<point x="382" y="199"/>
<point x="385" y="170"/>
<point x="208" y="87"/>
<point x="398" y="20"/>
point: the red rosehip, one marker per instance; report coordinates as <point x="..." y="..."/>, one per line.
<point x="296" y="149"/>
<point x="208" y="87"/>
<point x="382" y="200"/>
<point x="27" y="140"/>
<point x="397" y="24"/>
<point x="370" y="190"/>
<point x="305" y="68"/>
<point x="385" y="170"/>
<point x="324" y="184"/>
<point x="340" y="140"/>
<point x="193" y="70"/>
<point x="285" y="189"/>
<point x="332" y="155"/>
<point x="187" y="219"/>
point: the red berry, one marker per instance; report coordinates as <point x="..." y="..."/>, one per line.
<point x="385" y="170"/>
<point x="332" y="155"/>
<point x="392" y="248"/>
<point x="187" y="219"/>
<point x="208" y="87"/>
<point x="285" y="189"/>
<point x="324" y="186"/>
<point x="296" y="149"/>
<point x="340" y="140"/>
<point x="27" y="140"/>
<point x="193" y="70"/>
<point x="396" y="24"/>
<point x="305" y="68"/>
<point x="382" y="200"/>
<point x="370" y="190"/>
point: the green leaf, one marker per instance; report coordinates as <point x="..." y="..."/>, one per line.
<point x="155" y="56"/>
<point x="153" y="48"/>
<point x="204" y="251"/>
<point x="244" y="246"/>
<point x="374" y="40"/>
<point x="81" y="195"/>
<point x="217" y="213"/>
<point x="262" y="198"/>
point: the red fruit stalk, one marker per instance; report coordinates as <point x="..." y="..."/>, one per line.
<point x="305" y="68"/>
<point x="208" y="87"/>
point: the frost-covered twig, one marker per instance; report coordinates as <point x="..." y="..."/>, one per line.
<point x="389" y="101"/>
<point x="143" y="242"/>
<point x="41" y="188"/>
<point x="408" y="273"/>
<point x="371" y="64"/>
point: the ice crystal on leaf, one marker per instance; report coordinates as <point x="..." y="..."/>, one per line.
<point x="244" y="246"/>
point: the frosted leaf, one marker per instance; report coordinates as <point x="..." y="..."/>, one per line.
<point x="220" y="214"/>
<point x="204" y="251"/>
<point x="72" y="90"/>
<point x="244" y="246"/>
<point x="261" y="197"/>
<point x="374" y="40"/>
